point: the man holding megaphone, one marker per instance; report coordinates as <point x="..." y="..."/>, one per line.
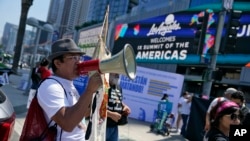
<point x="58" y="96"/>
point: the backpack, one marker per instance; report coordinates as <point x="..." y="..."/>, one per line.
<point x="35" y="126"/>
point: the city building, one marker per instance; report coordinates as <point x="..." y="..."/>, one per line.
<point x="66" y="15"/>
<point x="231" y="66"/>
<point x="9" y="37"/>
<point x="97" y="9"/>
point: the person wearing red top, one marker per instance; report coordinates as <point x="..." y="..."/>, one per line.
<point x="44" y="69"/>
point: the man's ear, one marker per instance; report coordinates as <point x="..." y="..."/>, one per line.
<point x="57" y="63"/>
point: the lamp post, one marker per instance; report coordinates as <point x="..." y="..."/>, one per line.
<point x="46" y="27"/>
<point x="21" y="29"/>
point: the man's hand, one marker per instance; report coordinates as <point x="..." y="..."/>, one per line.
<point x="94" y="83"/>
<point x="114" y="116"/>
<point x="126" y="110"/>
<point x="207" y="127"/>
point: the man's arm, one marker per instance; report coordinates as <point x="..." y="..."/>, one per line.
<point x="114" y="115"/>
<point x="126" y="109"/>
<point x="179" y="102"/>
<point x="179" y="105"/>
<point x="207" y="122"/>
<point x="207" y="118"/>
<point x="69" y="117"/>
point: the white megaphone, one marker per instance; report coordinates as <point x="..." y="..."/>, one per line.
<point x="121" y="63"/>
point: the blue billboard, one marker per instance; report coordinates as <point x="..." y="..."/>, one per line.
<point x="170" y="38"/>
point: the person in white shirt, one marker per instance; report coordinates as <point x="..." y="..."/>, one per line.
<point x="185" y="111"/>
<point x="59" y="98"/>
<point x="179" y="119"/>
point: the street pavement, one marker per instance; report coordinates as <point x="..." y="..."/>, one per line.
<point x="135" y="130"/>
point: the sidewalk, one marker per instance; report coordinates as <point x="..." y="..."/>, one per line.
<point x="135" y="130"/>
<point x="18" y="99"/>
<point x="17" y="96"/>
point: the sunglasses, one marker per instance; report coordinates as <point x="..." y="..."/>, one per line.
<point x="76" y="58"/>
<point x="235" y="116"/>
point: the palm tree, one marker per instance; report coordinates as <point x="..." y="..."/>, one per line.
<point x="20" y="34"/>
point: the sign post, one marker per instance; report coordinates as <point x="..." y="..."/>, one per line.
<point x="226" y="5"/>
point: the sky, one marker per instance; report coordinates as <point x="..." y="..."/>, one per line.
<point x="10" y="11"/>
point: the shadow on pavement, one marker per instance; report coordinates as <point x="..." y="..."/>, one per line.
<point x="20" y="109"/>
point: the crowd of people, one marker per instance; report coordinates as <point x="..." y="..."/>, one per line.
<point x="230" y="109"/>
<point x="62" y="102"/>
<point x="223" y="112"/>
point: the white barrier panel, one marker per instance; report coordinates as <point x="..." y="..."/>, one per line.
<point x="4" y="79"/>
<point x="143" y="94"/>
<point x="24" y="82"/>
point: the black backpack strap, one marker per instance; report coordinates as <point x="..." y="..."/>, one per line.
<point x="89" y="127"/>
<point x="55" y="125"/>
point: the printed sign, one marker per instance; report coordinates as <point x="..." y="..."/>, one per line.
<point x="170" y="38"/>
<point x="144" y="93"/>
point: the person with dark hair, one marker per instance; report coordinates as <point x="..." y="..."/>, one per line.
<point x="185" y="111"/>
<point x="227" y="96"/>
<point x="239" y="98"/>
<point x="58" y="97"/>
<point x="36" y="79"/>
<point x="164" y="97"/>
<point x="179" y="118"/>
<point x="224" y="114"/>
<point x="44" y="69"/>
<point x="35" y="76"/>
